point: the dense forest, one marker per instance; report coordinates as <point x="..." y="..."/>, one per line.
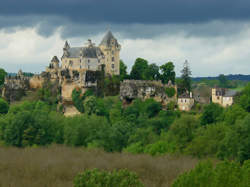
<point x="144" y="127"/>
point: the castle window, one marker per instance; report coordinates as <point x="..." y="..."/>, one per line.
<point x="113" y="59"/>
<point x="113" y="66"/>
<point x="113" y="52"/>
<point x="98" y="60"/>
<point x="88" y="61"/>
<point x="88" y="66"/>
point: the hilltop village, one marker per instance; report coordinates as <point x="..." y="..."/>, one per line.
<point x="84" y="68"/>
<point x="85" y="104"/>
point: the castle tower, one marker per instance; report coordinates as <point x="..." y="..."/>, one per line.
<point x="111" y="50"/>
<point x="55" y="62"/>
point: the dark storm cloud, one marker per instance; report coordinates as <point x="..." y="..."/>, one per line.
<point x="131" y="11"/>
<point x="133" y="18"/>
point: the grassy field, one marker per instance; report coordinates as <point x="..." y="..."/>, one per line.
<point x="58" y="165"/>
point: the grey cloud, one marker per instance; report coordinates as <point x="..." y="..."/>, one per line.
<point x="132" y="11"/>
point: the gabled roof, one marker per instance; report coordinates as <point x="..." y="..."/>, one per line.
<point x="230" y="93"/>
<point x="107" y="39"/>
<point x="185" y="95"/>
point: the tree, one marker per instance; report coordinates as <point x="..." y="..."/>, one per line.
<point x="4" y="106"/>
<point x="185" y="78"/>
<point x="168" y="73"/>
<point x="123" y="70"/>
<point x="225" y="174"/>
<point x="2" y="76"/>
<point x="211" y="114"/>
<point x="152" y="72"/>
<point x="139" y="69"/>
<point x="223" y="82"/>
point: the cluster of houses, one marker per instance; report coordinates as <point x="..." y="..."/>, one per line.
<point x="221" y="96"/>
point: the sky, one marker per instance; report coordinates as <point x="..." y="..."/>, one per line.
<point x="214" y="36"/>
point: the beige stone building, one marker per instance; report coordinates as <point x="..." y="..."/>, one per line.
<point x="185" y="102"/>
<point x="91" y="57"/>
<point x="223" y="96"/>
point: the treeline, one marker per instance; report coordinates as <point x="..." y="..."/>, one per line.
<point x="142" y="127"/>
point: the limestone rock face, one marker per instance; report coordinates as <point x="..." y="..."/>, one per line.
<point x="142" y="89"/>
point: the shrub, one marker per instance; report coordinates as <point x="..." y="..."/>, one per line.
<point x="99" y="178"/>
<point x="4" y="106"/>
<point x="225" y="174"/>
<point x="158" y="148"/>
<point x="170" y="92"/>
<point x="211" y="114"/>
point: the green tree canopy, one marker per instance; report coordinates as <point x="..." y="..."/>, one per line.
<point x="185" y="83"/>
<point x="211" y="114"/>
<point x="152" y="72"/>
<point x="2" y="76"/>
<point x="139" y="69"/>
<point x="168" y="73"/>
<point x="4" y="106"/>
<point x="123" y="70"/>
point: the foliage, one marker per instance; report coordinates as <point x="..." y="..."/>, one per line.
<point x="30" y="123"/>
<point x="111" y="85"/>
<point x="139" y="69"/>
<point x="97" y="178"/>
<point x="152" y="72"/>
<point x="211" y="114"/>
<point x="2" y="76"/>
<point x="49" y="93"/>
<point x="244" y="99"/>
<point x="77" y="99"/>
<point x="4" y="106"/>
<point x="168" y="73"/>
<point x="223" y="82"/>
<point x="185" y="83"/>
<point x="123" y="71"/>
<point x="207" y="140"/>
<point x="225" y="174"/>
<point x="170" y="92"/>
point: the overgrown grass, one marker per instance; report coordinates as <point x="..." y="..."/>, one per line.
<point x="57" y="166"/>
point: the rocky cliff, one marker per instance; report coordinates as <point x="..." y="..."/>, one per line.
<point x="143" y="89"/>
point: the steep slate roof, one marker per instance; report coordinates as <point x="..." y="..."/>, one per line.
<point x="185" y="95"/>
<point x="107" y="39"/>
<point x="230" y="93"/>
<point x="88" y="52"/>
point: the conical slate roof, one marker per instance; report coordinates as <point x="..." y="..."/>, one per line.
<point x="107" y="39"/>
<point x="66" y="45"/>
<point x="55" y="59"/>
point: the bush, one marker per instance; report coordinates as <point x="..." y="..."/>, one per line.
<point x="225" y="174"/>
<point x="158" y="148"/>
<point x="211" y="114"/>
<point x="170" y="92"/>
<point x="99" y="178"/>
<point x="4" y="106"/>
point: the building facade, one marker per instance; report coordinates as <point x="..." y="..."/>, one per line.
<point x="223" y="96"/>
<point x="185" y="102"/>
<point x="91" y="57"/>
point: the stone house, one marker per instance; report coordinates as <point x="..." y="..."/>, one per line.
<point x="185" y="102"/>
<point x="223" y="96"/>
